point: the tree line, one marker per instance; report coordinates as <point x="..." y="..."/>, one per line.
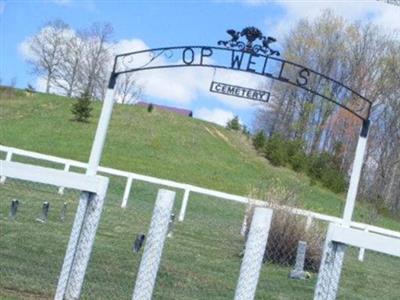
<point x="73" y="63"/>
<point x="367" y="59"/>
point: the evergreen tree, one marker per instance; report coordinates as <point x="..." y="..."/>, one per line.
<point x="81" y="109"/>
<point x="259" y="140"/>
<point x="233" y="124"/>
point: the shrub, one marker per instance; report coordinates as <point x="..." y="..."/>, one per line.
<point x="275" y="151"/>
<point x="234" y="124"/>
<point x="296" y="156"/>
<point x="150" y="108"/>
<point x="286" y="230"/>
<point x="323" y="168"/>
<point x="81" y="109"/>
<point x="259" y="141"/>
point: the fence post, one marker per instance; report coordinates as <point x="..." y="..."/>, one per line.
<point x="146" y="277"/>
<point x="330" y="269"/>
<point x="66" y="169"/>
<point x="253" y="255"/>
<point x="182" y="212"/>
<point x="126" y="192"/>
<point x="8" y="158"/>
<point x="245" y="223"/>
<point x="80" y="244"/>
<point x="362" y="250"/>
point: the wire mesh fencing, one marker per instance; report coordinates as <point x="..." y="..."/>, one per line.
<point x="376" y="277"/>
<point x="292" y="256"/>
<point x="35" y="224"/>
<point x="201" y="259"/>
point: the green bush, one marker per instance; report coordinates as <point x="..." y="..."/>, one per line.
<point x="275" y="150"/>
<point x="323" y="167"/>
<point x="259" y="141"/>
<point x="234" y="124"/>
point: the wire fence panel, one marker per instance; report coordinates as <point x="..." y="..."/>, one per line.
<point x="292" y="257"/>
<point x="377" y="277"/>
<point x="201" y="258"/>
<point x="33" y="237"/>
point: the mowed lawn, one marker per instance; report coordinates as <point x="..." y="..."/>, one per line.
<point x="201" y="260"/>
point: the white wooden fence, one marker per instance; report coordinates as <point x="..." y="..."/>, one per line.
<point x="188" y="188"/>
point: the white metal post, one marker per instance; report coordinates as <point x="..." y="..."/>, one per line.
<point x="254" y="253"/>
<point x="82" y="215"/>
<point x="61" y="188"/>
<point x="85" y="244"/>
<point x="182" y="212"/>
<point x="127" y="191"/>
<point x="8" y="158"/>
<point x="147" y="273"/>
<point x="101" y="133"/>
<point x="355" y="174"/>
<point x="330" y="269"/>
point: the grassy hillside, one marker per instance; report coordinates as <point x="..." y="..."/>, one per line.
<point x="201" y="260"/>
<point x="159" y="144"/>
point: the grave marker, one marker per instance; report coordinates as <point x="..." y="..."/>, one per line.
<point x="298" y="271"/>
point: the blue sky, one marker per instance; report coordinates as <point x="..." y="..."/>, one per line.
<point x="170" y="23"/>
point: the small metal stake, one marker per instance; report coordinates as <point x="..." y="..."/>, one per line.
<point x="171" y="225"/>
<point x="63" y="212"/>
<point x="13" y="209"/>
<point x="45" y="212"/>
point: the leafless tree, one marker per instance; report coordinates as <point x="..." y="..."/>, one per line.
<point x="46" y="49"/>
<point x="67" y="72"/>
<point x="128" y="89"/>
<point x="96" y="61"/>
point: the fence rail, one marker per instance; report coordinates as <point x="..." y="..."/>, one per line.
<point x="188" y="188"/>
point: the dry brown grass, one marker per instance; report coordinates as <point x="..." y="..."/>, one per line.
<point x="287" y="229"/>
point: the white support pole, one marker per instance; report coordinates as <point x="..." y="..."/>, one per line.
<point x="355" y="175"/>
<point x="148" y="269"/>
<point x="249" y="206"/>
<point x="185" y="200"/>
<point x="101" y="132"/>
<point x="254" y="253"/>
<point x="8" y="158"/>
<point x="85" y="245"/>
<point x="61" y="188"/>
<point x="127" y="191"/>
<point x="361" y="253"/>
<point x="83" y="216"/>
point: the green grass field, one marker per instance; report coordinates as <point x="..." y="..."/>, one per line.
<point x="202" y="260"/>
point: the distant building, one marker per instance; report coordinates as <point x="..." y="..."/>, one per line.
<point x="179" y="111"/>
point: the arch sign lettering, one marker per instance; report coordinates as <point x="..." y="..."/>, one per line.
<point x="244" y="51"/>
<point x="253" y="55"/>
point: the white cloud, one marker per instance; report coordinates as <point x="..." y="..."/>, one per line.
<point x="216" y="115"/>
<point x="40" y="84"/>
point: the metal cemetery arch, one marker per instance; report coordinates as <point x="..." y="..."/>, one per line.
<point x="240" y="60"/>
<point x="258" y="59"/>
<point x="244" y="56"/>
